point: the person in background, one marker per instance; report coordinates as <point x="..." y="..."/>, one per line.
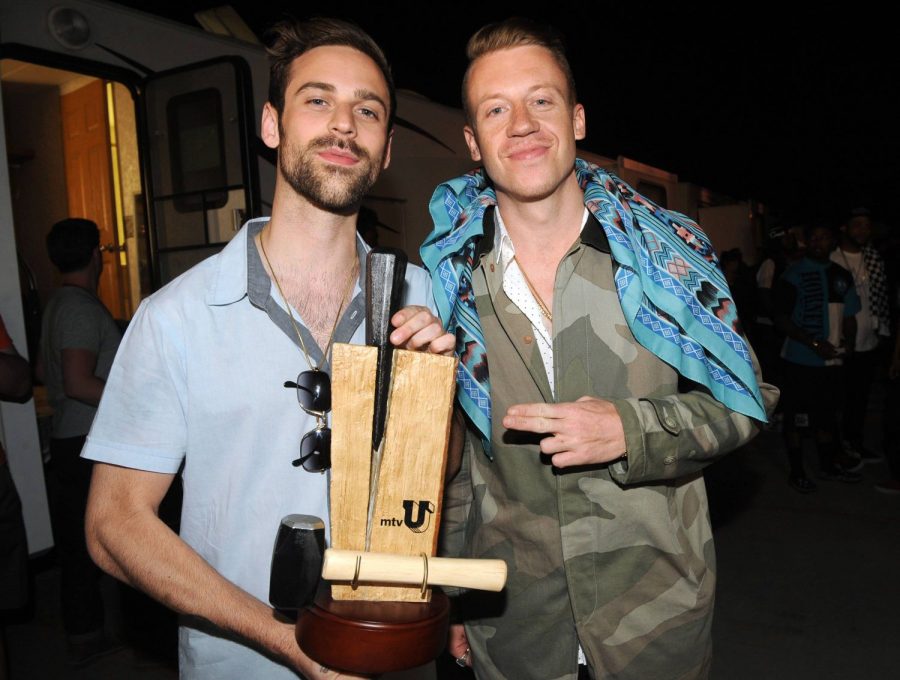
<point x="740" y="283"/>
<point x="815" y="308"/>
<point x="890" y="421"/>
<point x="79" y="339"/>
<point x="856" y="254"/>
<point x="15" y="385"/>
<point x="781" y="250"/>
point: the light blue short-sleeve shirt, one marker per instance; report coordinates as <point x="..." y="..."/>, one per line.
<point x="199" y="382"/>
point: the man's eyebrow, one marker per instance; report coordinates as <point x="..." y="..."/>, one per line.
<point x="313" y="85"/>
<point x="533" y="88"/>
<point x="370" y="95"/>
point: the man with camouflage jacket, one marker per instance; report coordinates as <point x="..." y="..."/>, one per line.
<point x="599" y="330"/>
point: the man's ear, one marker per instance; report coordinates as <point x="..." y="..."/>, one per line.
<point x="472" y="143"/>
<point x="268" y="127"/>
<point x="387" y="150"/>
<point x="578" y="122"/>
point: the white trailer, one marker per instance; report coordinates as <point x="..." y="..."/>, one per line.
<point x="150" y="128"/>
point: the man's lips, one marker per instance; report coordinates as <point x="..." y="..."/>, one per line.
<point x="527" y="153"/>
<point x="338" y="156"/>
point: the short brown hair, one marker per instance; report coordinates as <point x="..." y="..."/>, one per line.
<point x="516" y="32"/>
<point x="290" y="38"/>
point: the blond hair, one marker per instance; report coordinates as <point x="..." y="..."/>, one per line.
<point x="516" y="32"/>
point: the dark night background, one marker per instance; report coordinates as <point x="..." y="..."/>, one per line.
<point x="792" y="107"/>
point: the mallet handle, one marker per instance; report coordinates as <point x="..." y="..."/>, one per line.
<point x="340" y="565"/>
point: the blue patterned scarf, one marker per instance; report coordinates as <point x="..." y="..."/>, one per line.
<point x="673" y="294"/>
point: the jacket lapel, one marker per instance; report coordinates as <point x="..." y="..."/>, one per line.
<point x="488" y="286"/>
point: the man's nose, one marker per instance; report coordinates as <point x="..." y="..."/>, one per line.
<point x="342" y="121"/>
<point x="522" y="122"/>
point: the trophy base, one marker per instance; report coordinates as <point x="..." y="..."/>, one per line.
<point x="373" y="637"/>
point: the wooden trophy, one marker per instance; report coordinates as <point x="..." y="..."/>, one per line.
<point x="391" y="413"/>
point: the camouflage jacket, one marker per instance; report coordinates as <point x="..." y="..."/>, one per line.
<point x="617" y="557"/>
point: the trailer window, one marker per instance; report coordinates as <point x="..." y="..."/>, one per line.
<point x="197" y="147"/>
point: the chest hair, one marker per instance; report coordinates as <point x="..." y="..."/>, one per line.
<point x="318" y="297"/>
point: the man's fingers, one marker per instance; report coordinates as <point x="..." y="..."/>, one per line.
<point x="538" y="409"/>
<point x="405" y="314"/>
<point x="422" y="336"/>
<point x="457" y="642"/>
<point x="537" y="424"/>
<point x="568" y="459"/>
<point x="540" y="418"/>
<point x="445" y="344"/>
<point x="555" y="444"/>
<point x="416" y="328"/>
<point x="409" y="321"/>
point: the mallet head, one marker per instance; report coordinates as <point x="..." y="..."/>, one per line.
<point x="296" y="561"/>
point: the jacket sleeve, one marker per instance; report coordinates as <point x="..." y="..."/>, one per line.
<point x="457" y="502"/>
<point x="675" y="436"/>
<point x="456" y="505"/>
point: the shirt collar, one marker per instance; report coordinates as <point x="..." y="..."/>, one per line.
<point x="238" y="268"/>
<point x="240" y="271"/>
<point x="504" y="250"/>
<point x="592" y="235"/>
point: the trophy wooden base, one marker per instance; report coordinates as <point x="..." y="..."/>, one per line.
<point x="373" y="637"/>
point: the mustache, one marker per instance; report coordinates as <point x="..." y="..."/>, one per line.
<point x="329" y="141"/>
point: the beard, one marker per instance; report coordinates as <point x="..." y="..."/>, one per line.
<point x="331" y="187"/>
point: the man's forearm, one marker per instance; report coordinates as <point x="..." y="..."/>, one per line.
<point x="88" y="390"/>
<point x="79" y="381"/>
<point x="15" y="378"/>
<point x="784" y="325"/>
<point x="138" y="548"/>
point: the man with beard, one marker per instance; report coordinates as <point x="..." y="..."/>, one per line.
<point x="200" y="381"/>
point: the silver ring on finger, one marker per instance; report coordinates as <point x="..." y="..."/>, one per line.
<point x="463" y="661"/>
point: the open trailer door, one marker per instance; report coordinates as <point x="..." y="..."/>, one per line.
<point x="201" y="174"/>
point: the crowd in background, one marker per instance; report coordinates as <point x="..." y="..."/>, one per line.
<point x="822" y="310"/>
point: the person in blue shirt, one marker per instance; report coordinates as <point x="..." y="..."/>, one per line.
<point x="815" y="304"/>
<point x="199" y="383"/>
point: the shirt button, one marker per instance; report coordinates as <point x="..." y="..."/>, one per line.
<point x="668" y="460"/>
<point x="670" y="421"/>
<point x="492" y="266"/>
<point x="527" y="339"/>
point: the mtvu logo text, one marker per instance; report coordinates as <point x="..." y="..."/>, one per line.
<point x="423" y="510"/>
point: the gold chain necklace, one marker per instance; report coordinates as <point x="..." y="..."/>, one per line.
<point x="291" y="313"/>
<point x="537" y="296"/>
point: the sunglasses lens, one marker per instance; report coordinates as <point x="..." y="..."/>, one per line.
<point x="315" y="451"/>
<point x="314" y="391"/>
